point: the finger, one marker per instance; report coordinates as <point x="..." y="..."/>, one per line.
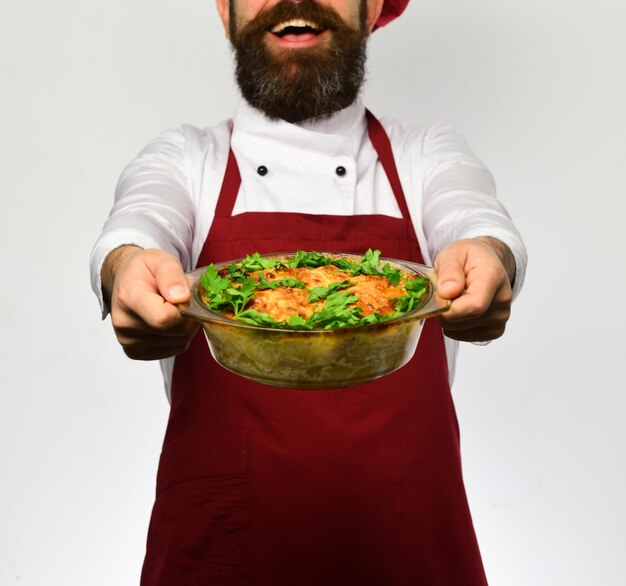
<point x="139" y="296"/>
<point x="154" y="353"/>
<point x="150" y="309"/>
<point x="494" y="319"/>
<point x="451" y="275"/>
<point x="151" y="346"/>
<point x="478" y="334"/>
<point x="487" y="289"/>
<point x="469" y="306"/>
<point x="138" y="337"/>
<point x="132" y="323"/>
<point x="171" y="281"/>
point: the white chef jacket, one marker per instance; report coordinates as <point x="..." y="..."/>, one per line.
<point x="166" y="197"/>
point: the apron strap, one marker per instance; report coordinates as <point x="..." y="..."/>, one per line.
<point x="380" y="142"/>
<point x="382" y="145"/>
<point x="230" y="187"/>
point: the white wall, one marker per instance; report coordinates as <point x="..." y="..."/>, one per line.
<point x="539" y="89"/>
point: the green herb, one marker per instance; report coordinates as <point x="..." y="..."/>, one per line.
<point x="392" y="274"/>
<point x="376" y="318"/>
<point x="235" y="293"/>
<point x="213" y="284"/>
<point x="336" y="313"/>
<point x="289" y="283"/>
<point x="297" y="322"/>
<point x="416" y="289"/>
<point x="369" y="263"/>
<point x="255" y="262"/>
<point x="319" y="293"/>
<point x="311" y="260"/>
<point x="252" y="262"/>
<point x="369" y="266"/>
<point x="221" y="295"/>
<point x="256" y="318"/>
<point x="239" y="297"/>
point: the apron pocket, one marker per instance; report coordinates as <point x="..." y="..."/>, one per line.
<point x="199" y="528"/>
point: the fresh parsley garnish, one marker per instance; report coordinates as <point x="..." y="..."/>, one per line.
<point x="415" y="289"/>
<point x="319" y="293"/>
<point x="222" y="295"/>
<point x="336" y="307"/>
<point x="291" y="283"/>
<point x="336" y="313"/>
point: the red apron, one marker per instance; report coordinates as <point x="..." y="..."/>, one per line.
<point x="266" y="486"/>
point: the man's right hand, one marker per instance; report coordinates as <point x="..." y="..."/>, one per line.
<point x="142" y="288"/>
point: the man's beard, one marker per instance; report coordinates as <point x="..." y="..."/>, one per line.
<point x="300" y="84"/>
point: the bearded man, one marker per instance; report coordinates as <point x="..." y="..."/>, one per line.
<point x="267" y="486"/>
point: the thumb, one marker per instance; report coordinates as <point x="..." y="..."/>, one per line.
<point x="451" y="275"/>
<point x="171" y="281"/>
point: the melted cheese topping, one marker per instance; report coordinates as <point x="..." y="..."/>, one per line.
<point x="319" y="277"/>
<point x="282" y="302"/>
<point x="375" y="293"/>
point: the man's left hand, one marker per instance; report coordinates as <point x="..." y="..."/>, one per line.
<point x="476" y="275"/>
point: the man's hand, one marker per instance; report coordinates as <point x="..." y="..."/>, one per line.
<point x="476" y="274"/>
<point x="142" y="288"/>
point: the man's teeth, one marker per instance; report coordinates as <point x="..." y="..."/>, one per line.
<point x="296" y="23"/>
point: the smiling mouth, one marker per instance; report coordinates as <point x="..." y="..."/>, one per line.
<point x="297" y="27"/>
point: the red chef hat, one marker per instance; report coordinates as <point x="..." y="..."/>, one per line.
<point x="391" y="9"/>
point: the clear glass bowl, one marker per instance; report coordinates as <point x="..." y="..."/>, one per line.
<point x="315" y="359"/>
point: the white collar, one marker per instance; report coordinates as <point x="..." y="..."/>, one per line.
<point x="348" y="124"/>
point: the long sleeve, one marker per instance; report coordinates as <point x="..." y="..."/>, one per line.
<point x="153" y="206"/>
<point x="459" y="198"/>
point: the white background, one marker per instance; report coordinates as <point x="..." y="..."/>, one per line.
<point x="539" y="89"/>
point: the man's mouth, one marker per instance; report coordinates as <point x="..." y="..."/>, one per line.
<point x="296" y="26"/>
<point x="297" y="30"/>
